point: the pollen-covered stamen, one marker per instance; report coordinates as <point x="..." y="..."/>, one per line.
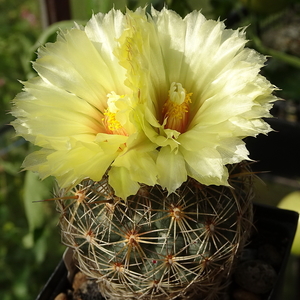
<point x="110" y="122"/>
<point x="176" y="109"/>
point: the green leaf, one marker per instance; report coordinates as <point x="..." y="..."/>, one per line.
<point x="36" y="190"/>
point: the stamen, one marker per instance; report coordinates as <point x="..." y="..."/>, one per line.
<point x="176" y="108"/>
<point x="111" y="124"/>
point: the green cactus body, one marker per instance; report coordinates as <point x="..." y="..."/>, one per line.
<point x="155" y="245"/>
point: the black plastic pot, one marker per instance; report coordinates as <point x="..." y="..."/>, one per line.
<point x="272" y="225"/>
<point x="277" y="227"/>
<point x="279" y="151"/>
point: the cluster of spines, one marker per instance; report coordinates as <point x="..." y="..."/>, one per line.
<point x="155" y="246"/>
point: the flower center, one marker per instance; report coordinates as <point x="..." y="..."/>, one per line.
<point x="110" y="122"/>
<point x="176" y="109"/>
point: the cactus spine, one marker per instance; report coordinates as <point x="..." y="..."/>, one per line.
<point x="155" y="245"/>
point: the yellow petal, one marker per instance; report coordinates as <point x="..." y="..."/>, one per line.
<point x="70" y="166"/>
<point x="206" y="166"/>
<point x="171" y="169"/>
<point x="139" y="156"/>
<point x="123" y="185"/>
<point x="69" y="64"/>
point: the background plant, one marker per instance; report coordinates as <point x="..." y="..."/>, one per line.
<point x="25" y="246"/>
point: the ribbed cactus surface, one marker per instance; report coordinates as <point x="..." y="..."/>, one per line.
<point x="155" y="245"/>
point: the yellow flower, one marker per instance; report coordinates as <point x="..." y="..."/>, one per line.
<point x="200" y="93"/>
<point x="78" y="109"/>
<point x="151" y="99"/>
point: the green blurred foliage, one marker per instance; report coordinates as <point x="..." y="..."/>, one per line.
<point x="28" y="230"/>
<point x="30" y="245"/>
<point x="82" y="10"/>
<point x="19" y="27"/>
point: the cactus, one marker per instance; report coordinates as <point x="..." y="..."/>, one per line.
<point x="152" y="108"/>
<point x="155" y="245"/>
